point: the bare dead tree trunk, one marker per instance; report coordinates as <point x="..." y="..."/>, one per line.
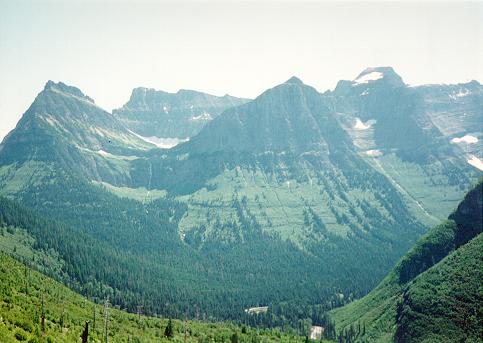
<point x="85" y="334"/>
<point x="42" y="315"/>
<point x="94" y="315"/>
<point x="106" y="319"/>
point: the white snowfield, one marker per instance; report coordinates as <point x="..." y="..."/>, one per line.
<point x="204" y="116"/>
<point x="162" y="142"/>
<point x="359" y="125"/>
<point x="165" y="142"/>
<point x="468" y="139"/>
<point x="366" y="78"/>
<point x="475" y="162"/>
<point x="461" y="93"/>
<point x="374" y="153"/>
<point x="103" y="153"/>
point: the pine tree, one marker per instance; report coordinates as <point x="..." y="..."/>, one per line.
<point x="168" y="332"/>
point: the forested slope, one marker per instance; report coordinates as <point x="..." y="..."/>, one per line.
<point x="26" y="296"/>
<point x="389" y="308"/>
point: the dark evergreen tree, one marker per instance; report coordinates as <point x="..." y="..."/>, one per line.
<point x="168" y="332"/>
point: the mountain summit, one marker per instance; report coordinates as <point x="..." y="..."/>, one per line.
<point x="288" y="117"/>
<point x="294" y="80"/>
<point x="64" y="128"/>
<point x="61" y="87"/>
<point x="183" y="114"/>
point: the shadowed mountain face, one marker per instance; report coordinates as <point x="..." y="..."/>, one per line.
<point x="294" y="174"/>
<point x="153" y="113"/>
<point x="290" y="118"/>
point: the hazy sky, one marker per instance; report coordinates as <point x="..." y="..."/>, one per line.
<point x="106" y="48"/>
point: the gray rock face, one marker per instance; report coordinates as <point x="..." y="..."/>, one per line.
<point x="65" y="127"/>
<point x="418" y="123"/>
<point x="290" y="117"/>
<point x="457" y="112"/>
<point x="172" y="115"/>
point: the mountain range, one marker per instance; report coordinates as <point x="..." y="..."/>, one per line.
<point x="325" y="190"/>
<point x="179" y="115"/>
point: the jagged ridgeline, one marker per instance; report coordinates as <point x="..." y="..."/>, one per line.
<point x="180" y="115"/>
<point x="294" y="199"/>
<point x="434" y="293"/>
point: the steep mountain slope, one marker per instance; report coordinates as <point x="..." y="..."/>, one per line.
<point x="180" y="115"/>
<point x="393" y="306"/>
<point x="64" y="131"/>
<point x="284" y="164"/>
<point x="25" y="294"/>
<point x="455" y="314"/>
<point x="408" y="134"/>
<point x="289" y="118"/>
<point x="457" y="112"/>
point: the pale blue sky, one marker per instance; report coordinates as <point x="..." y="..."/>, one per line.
<point x="106" y="48"/>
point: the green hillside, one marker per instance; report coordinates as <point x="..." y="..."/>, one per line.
<point x="388" y="308"/>
<point x="22" y="291"/>
<point x="455" y="314"/>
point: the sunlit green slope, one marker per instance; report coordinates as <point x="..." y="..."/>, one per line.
<point x="21" y="293"/>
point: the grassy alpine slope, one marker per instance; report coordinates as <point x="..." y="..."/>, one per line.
<point x="21" y="293"/>
<point x="400" y="300"/>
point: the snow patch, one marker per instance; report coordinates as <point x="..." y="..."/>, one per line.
<point x="475" y="162"/>
<point x="162" y="142"/>
<point x="468" y="139"/>
<point x="165" y="142"/>
<point x="374" y="153"/>
<point x="359" y="125"/>
<point x="203" y="116"/>
<point x="461" y="93"/>
<point x="366" y="78"/>
<point x="103" y="153"/>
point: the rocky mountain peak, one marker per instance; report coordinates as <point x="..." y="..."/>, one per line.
<point x="294" y="80"/>
<point x="62" y="88"/>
